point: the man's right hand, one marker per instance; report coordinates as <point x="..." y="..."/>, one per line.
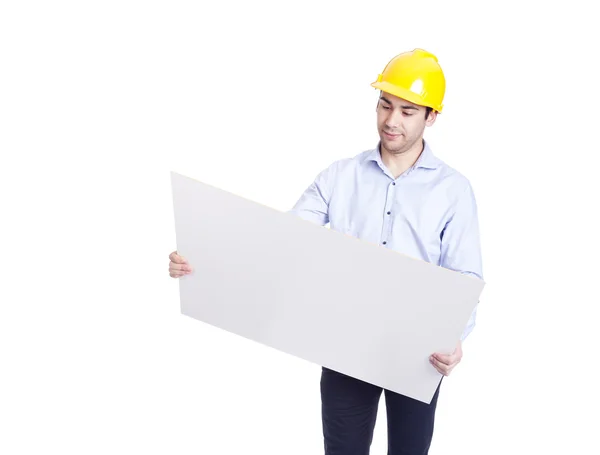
<point x="178" y="266"/>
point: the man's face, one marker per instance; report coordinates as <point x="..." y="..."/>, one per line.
<point x="400" y="123"/>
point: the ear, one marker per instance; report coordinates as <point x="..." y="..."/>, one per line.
<point x="431" y="118"/>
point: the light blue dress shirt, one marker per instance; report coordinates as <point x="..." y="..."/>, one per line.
<point x="429" y="212"/>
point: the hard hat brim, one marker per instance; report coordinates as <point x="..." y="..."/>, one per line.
<point x="405" y="94"/>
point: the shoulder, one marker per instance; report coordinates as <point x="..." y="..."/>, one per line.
<point x="456" y="185"/>
<point x="444" y="171"/>
<point x="446" y="178"/>
<point x="340" y="171"/>
<point x="351" y="163"/>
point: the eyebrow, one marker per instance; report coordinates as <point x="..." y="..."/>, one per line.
<point x="405" y="106"/>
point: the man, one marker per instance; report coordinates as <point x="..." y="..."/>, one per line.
<point x="400" y="196"/>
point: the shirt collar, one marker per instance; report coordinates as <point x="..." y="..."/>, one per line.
<point x="427" y="160"/>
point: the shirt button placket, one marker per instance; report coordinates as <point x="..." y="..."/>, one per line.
<point x="387" y="220"/>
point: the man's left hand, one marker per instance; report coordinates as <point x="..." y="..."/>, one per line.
<point x="445" y="363"/>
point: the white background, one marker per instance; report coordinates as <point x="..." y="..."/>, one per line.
<point x="100" y="100"/>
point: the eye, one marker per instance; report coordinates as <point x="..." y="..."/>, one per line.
<point x="387" y="108"/>
<point x="407" y="114"/>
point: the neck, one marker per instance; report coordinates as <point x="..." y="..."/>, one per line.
<point x="399" y="163"/>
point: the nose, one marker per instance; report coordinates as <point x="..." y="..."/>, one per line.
<point x="393" y="120"/>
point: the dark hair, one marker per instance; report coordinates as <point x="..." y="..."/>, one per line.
<point x="427" y="108"/>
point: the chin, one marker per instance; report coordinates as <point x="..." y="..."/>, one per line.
<point x="393" y="146"/>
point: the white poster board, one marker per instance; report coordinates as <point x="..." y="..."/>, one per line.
<point x="320" y="295"/>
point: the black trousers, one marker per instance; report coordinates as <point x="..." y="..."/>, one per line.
<point x="349" y="411"/>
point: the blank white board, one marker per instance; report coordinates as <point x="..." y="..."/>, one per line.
<point x="317" y="294"/>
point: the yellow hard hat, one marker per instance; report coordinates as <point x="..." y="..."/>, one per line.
<point x="416" y="77"/>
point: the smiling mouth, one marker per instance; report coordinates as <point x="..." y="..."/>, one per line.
<point x="391" y="136"/>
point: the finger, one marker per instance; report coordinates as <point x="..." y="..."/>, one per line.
<point x="449" y="359"/>
<point x="174" y="257"/>
<point x="441" y="367"/>
<point x="178" y="259"/>
<point x="438" y="366"/>
<point x="444" y="358"/>
<point x="180" y="267"/>
<point x="446" y="368"/>
<point x="178" y="273"/>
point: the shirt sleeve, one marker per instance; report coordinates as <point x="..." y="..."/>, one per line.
<point x="461" y="249"/>
<point x="313" y="205"/>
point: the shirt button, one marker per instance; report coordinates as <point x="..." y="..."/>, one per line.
<point x="393" y="183"/>
<point x="389" y="213"/>
<point x="385" y="243"/>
